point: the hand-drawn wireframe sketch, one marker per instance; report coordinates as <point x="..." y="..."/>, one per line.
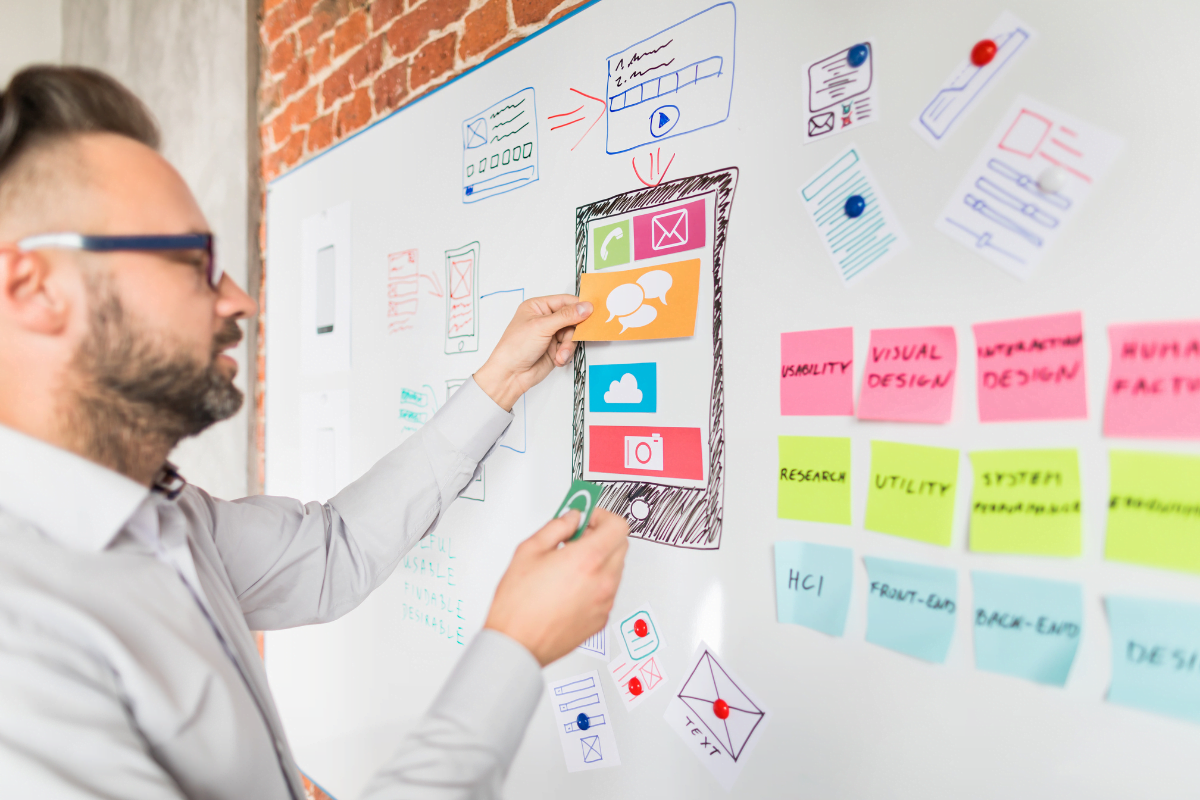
<point x="324" y="443"/>
<point x="416" y="407"/>
<point x="636" y="680"/>
<point x="596" y="645"/>
<point x="681" y="512"/>
<point x="969" y="82"/>
<point x="588" y="105"/>
<point x="583" y="722"/>
<point x="717" y="717"/>
<point x="1000" y="210"/>
<point x="500" y="147"/>
<point x="403" y="279"/>
<point x="462" y="299"/>
<point x="639" y="635"/>
<point x="857" y="244"/>
<point x="325" y="269"/>
<point x="675" y="82"/>
<point x="841" y="92"/>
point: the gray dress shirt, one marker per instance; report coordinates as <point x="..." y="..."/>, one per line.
<point x="127" y="667"/>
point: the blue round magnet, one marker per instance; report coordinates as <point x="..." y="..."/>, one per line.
<point x="857" y="55"/>
<point x="855" y="205"/>
<point x="583" y="722"/>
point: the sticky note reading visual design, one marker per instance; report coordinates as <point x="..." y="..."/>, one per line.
<point x="816" y="377"/>
<point x="1031" y="368"/>
<point x="582" y="497"/>
<point x="1154" y="510"/>
<point x="912" y="491"/>
<point x="1154" y="381"/>
<point x="648" y="303"/>
<point x="1026" y="627"/>
<point x="911" y="607"/>
<point x="814" y="479"/>
<point x="1155" y="656"/>
<point x="909" y="375"/>
<point x="1026" y="501"/>
<point x="812" y="585"/>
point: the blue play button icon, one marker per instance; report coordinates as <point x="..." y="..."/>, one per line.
<point x="662" y="120"/>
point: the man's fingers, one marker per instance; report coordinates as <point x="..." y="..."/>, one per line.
<point x="568" y="315"/>
<point x="557" y="530"/>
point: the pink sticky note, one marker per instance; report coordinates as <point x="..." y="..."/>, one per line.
<point x="909" y="375"/>
<point x="1031" y="368"/>
<point x="1154" y="381"/>
<point x="816" y="377"/>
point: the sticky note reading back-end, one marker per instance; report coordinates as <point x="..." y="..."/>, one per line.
<point x="1026" y="501"/>
<point x="912" y="491"/>
<point x="816" y="376"/>
<point x="1155" y="656"/>
<point x="812" y="585"/>
<point x="911" y="607"/>
<point x="909" y="375"/>
<point x="1031" y="368"/>
<point x="1026" y="627"/>
<point x="582" y="497"/>
<point x="814" y="479"/>
<point x="648" y="303"/>
<point x="1154" y="510"/>
<point x="1154" y="381"/>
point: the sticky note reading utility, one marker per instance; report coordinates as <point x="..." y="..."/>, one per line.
<point x="912" y="491"/>
<point x="1155" y="656"/>
<point x="1031" y="368"/>
<point x="1026" y="627"/>
<point x="812" y="585"/>
<point x="816" y="376"/>
<point x="1154" y="510"/>
<point x="1026" y="501"/>
<point x="814" y="478"/>
<point x="909" y="375"/>
<point x="1154" y="381"/>
<point x="582" y="497"/>
<point x="649" y="303"/>
<point x="911" y="607"/>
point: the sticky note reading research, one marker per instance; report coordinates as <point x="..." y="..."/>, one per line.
<point x="814" y="478"/>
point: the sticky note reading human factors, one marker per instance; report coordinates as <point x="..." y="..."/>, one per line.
<point x="816" y="376"/>
<point x="1026" y="501"/>
<point x="1155" y="655"/>
<point x="1026" y="627"/>
<point x="911" y="607"/>
<point x="1154" y="381"/>
<point x="912" y="491"/>
<point x="1154" y="510"/>
<point x="814" y="478"/>
<point x="909" y="375"/>
<point x="649" y="303"/>
<point x="812" y="585"/>
<point x="1031" y="368"/>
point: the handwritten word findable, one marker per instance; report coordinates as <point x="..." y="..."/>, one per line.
<point x="910" y="596"/>
<point x="1029" y="346"/>
<point x="912" y="485"/>
<point x="804" y="370"/>
<point x="811" y="475"/>
<point x="1017" y="622"/>
<point x="1033" y="478"/>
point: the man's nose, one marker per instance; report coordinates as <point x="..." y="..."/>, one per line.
<point x="232" y="300"/>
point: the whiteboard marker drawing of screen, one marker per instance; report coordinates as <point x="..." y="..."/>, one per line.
<point x="648" y="422"/>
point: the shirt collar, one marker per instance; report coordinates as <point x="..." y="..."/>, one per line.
<point x="76" y="502"/>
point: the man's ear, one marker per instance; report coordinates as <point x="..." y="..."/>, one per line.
<point x="32" y="296"/>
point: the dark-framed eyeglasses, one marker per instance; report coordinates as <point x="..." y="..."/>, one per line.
<point x="112" y="244"/>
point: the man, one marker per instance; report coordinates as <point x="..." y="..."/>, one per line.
<point x="127" y="668"/>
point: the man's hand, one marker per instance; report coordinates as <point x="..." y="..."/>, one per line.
<point x="553" y="598"/>
<point x="536" y="341"/>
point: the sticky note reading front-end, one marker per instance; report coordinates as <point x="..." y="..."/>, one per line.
<point x="912" y="491"/>
<point x="911" y="607"/>
<point x="1031" y="368"/>
<point x="812" y="585"/>
<point x="1026" y="501"/>
<point x="582" y="497"/>
<point x="649" y="303"/>
<point x="1154" y="510"/>
<point x="816" y="376"/>
<point x="909" y="375"/>
<point x="1155" y="656"/>
<point x="1154" y="381"/>
<point x="814" y="478"/>
<point x="1026" y="627"/>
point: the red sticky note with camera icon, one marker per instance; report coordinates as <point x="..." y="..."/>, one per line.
<point x="653" y="452"/>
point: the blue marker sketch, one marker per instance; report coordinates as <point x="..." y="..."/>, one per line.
<point x="675" y="82"/>
<point x="1028" y="183"/>
<point x="581" y="715"/>
<point x="500" y="148"/>
<point x="623" y="388"/>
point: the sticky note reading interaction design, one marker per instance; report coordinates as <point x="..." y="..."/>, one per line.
<point x="582" y="497"/>
<point x="814" y="478"/>
<point x="909" y="375"/>
<point x="911" y="607"/>
<point x="647" y="303"/>
<point x="912" y="491"/>
<point x="1031" y="368"/>
<point x="1155" y="656"/>
<point x="1026" y="627"/>
<point x="1154" y="510"/>
<point x="812" y="585"/>
<point x="1026" y="501"/>
<point x="816" y="376"/>
<point x="1154" y="381"/>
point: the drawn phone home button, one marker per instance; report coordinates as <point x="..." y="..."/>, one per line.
<point x="663" y="119"/>
<point x="639" y="509"/>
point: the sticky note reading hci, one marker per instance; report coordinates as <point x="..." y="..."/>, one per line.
<point x="912" y="491"/>
<point x="1026" y="627"/>
<point x="1026" y="501"/>
<point x="582" y="497"/>
<point x="1155" y="655"/>
<point x="911" y="607"/>
<point x="812" y="585"/>
<point x="1154" y="510"/>
<point x="814" y="478"/>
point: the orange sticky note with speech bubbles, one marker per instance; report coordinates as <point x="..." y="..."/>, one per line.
<point x="656" y="302"/>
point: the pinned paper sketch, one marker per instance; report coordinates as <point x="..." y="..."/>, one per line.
<point x="584" y="723"/>
<point x="649" y="303"/>
<point x="500" y="148"/>
<point x="856" y="225"/>
<point x="596" y="645"/>
<point x="1026" y="184"/>
<point x="1155" y="662"/>
<point x="639" y="634"/>
<point x="324" y="443"/>
<point x="677" y="81"/>
<point x="462" y="299"/>
<point x="325" y="291"/>
<point x="1154" y="381"/>
<point x="1026" y="627"/>
<point x="840" y="92"/>
<point x="637" y="680"/>
<point x="967" y="84"/>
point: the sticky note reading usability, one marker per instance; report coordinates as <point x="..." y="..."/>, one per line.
<point x="911" y="607"/>
<point x="814" y="478"/>
<point x="648" y="303"/>
<point x="909" y="375"/>
<point x="1026" y="627"/>
<point x="1031" y="368"/>
<point x="1026" y="501"/>
<point x="812" y="585"/>
<point x="1154" y="510"/>
<point x="816" y="376"/>
<point x="1155" y="656"/>
<point x="912" y="491"/>
<point x="1154" y="381"/>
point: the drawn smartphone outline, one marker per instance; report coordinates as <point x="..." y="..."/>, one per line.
<point x="462" y="299"/>
<point x="326" y="289"/>
<point x="692" y="516"/>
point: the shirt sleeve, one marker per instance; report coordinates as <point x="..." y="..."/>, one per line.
<point x="463" y="747"/>
<point x="293" y="563"/>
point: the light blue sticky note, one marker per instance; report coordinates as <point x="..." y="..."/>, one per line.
<point x="1155" y="655"/>
<point x="623" y="387"/>
<point x="1027" y="627"/>
<point x="812" y="585"/>
<point x="911" y="607"/>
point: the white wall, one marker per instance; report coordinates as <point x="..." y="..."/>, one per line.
<point x="31" y="32"/>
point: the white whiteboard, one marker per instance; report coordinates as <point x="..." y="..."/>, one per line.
<point x="849" y="719"/>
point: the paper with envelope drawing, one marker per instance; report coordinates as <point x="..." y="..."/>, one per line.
<point x="841" y="92"/>
<point x="656" y="302"/>
<point x="583" y="722"/>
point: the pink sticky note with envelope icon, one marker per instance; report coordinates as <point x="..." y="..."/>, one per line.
<point x="669" y="229"/>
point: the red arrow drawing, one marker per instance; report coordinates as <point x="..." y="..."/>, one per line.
<point x="579" y="115"/>
<point x="656" y="168"/>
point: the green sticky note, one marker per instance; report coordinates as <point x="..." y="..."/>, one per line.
<point x="1154" y="510"/>
<point x="1026" y="501"/>
<point x="610" y="244"/>
<point x="814" y="478"/>
<point x="912" y="491"/>
<point x="583" y="497"/>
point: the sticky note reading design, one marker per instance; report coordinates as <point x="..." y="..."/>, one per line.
<point x="648" y="303"/>
<point x="814" y="478"/>
<point x="1155" y="656"/>
<point x="1154" y="510"/>
<point x="912" y="491"/>
<point x="909" y="375"/>
<point x="816" y="376"/>
<point x="812" y="585"/>
<point x="1154" y="381"/>
<point x="582" y="497"/>
<point x="911" y="607"/>
<point x="1031" y="368"/>
<point x="1026" y="501"/>
<point x="583" y="722"/>
<point x="1026" y="627"/>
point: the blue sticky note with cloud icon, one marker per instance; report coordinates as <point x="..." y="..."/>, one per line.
<point x="623" y="387"/>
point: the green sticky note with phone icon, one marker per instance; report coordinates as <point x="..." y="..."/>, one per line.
<point x="582" y="497"/>
<point x="610" y="245"/>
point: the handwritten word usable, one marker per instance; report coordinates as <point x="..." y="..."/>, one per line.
<point x="1154" y="505"/>
<point x="1043" y="626"/>
<point x="806" y="582"/>
<point x="1030" y="346"/>
<point x="814" y="475"/>
<point x="1011" y="480"/>
<point x="912" y="485"/>
<point x="931" y="601"/>
<point x="827" y="368"/>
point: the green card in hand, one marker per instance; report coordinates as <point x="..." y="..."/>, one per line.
<point x="582" y="497"/>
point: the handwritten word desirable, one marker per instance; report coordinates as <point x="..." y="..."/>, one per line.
<point x="911" y="596"/>
<point x="1043" y="626"/>
<point x="1032" y="478"/>
<point x="812" y="475"/>
<point x="1154" y="505"/>
<point x="912" y="485"/>
<point x="804" y="370"/>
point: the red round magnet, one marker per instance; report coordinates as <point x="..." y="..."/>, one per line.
<point x="721" y="709"/>
<point x="983" y="52"/>
<point x="641" y="628"/>
<point x="635" y="687"/>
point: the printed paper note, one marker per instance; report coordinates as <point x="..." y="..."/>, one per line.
<point x="841" y="92"/>
<point x="909" y="375"/>
<point x="648" y="303"/>
<point x="1154" y="381"/>
<point x="912" y="491"/>
<point x="816" y="376"/>
<point x="1026" y="627"/>
<point x="1155" y="656"/>
<point x="638" y="671"/>
<point x="596" y="645"/>
<point x="582" y="497"/>
<point x="1154" y="510"/>
<point x="1026" y="501"/>
<point x="583" y="722"/>
<point x="812" y="585"/>
<point x="911" y="607"/>
<point x="814" y="479"/>
<point x="1031" y="368"/>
